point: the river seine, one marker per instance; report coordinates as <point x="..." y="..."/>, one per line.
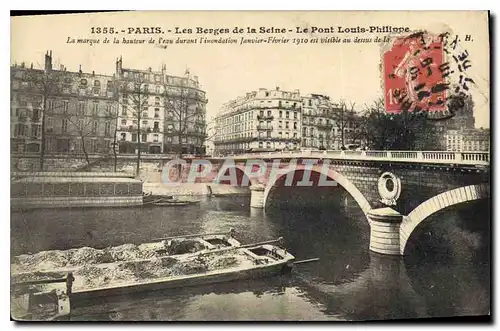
<point x="446" y="271"/>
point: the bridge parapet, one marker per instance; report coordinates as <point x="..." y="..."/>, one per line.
<point x="434" y="157"/>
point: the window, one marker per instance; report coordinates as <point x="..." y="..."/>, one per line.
<point x="157" y="89"/>
<point x="124" y="122"/>
<point x="295" y="134"/>
<point x="279" y="104"/>
<point x="134" y="137"/>
<point x="281" y="113"/>
<point x="155" y="137"/>
<point x="107" y="128"/>
<point x="267" y="94"/>
<point x="304" y="131"/>
<point x="268" y="144"/>
<point x="95" y="108"/>
<point x="261" y="144"/>
<point x="261" y="113"/>
<point x="80" y="108"/>
<point x="64" y="125"/>
<point x="109" y="107"/>
<point x="295" y="115"/>
<point x="124" y="111"/>
<point x="287" y="135"/>
<point x="145" y="115"/>
<point x="94" y="127"/>
<point x="280" y="134"/>
<point x="286" y="125"/>
<point x="83" y="82"/>
<point x="157" y="101"/>
<point x="50" y="104"/>
<point x="125" y="97"/>
<point x="295" y="125"/>
<point x="97" y="83"/>
<point x="65" y="105"/>
<point x="310" y="102"/>
<point x="144" y="137"/>
<point x="157" y="112"/>
<point x="123" y="136"/>
<point x="35" y="130"/>
<point x="287" y="114"/>
<point x="145" y="122"/>
<point x="268" y="134"/>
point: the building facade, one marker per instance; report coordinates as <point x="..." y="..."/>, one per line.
<point x="273" y="120"/>
<point x="83" y="112"/>
<point x="76" y="109"/>
<point x="467" y="139"/>
<point x="263" y="120"/>
<point x="167" y="114"/>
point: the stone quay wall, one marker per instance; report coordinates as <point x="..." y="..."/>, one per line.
<point x="60" y="189"/>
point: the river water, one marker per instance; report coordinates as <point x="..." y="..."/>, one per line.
<point x="446" y="272"/>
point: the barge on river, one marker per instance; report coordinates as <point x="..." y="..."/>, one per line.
<point x="221" y="264"/>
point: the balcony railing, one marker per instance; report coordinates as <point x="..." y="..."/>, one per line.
<point x="264" y="128"/>
<point x="265" y="117"/>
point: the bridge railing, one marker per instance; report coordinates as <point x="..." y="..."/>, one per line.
<point x="438" y="157"/>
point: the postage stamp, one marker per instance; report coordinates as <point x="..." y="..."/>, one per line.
<point x="418" y="75"/>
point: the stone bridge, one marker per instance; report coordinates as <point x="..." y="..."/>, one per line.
<point x="381" y="182"/>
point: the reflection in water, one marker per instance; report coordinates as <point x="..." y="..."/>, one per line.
<point x="438" y="278"/>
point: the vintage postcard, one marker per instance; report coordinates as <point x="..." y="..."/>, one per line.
<point x="250" y="166"/>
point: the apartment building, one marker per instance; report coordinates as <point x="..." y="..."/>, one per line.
<point x="166" y="114"/>
<point x="467" y="139"/>
<point x="76" y="109"/>
<point x="263" y="120"/>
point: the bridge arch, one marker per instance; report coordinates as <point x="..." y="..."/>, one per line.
<point x="240" y="174"/>
<point x="332" y="175"/>
<point x="437" y="203"/>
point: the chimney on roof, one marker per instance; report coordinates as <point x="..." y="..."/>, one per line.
<point x="31" y="66"/>
<point x="80" y="69"/>
<point x="61" y="67"/>
<point x="277" y="88"/>
<point x="118" y="66"/>
<point x="48" y="61"/>
<point x="93" y="73"/>
<point x="149" y="69"/>
<point x="22" y="64"/>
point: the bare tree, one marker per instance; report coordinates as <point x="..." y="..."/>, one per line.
<point x="135" y="99"/>
<point x="112" y="116"/>
<point x="184" y="111"/>
<point x="343" y="116"/>
<point x="83" y="127"/>
<point x="42" y="87"/>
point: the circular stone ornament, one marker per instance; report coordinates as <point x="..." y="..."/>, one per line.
<point x="389" y="188"/>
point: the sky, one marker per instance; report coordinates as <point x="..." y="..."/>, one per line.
<point x="351" y="72"/>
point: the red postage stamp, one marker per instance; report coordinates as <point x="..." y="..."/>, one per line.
<point x="413" y="78"/>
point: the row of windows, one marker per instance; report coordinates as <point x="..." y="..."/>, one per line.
<point x="83" y="126"/>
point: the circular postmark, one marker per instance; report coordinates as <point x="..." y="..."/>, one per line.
<point x="389" y="188"/>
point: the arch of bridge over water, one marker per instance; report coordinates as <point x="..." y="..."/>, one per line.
<point x="455" y="178"/>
